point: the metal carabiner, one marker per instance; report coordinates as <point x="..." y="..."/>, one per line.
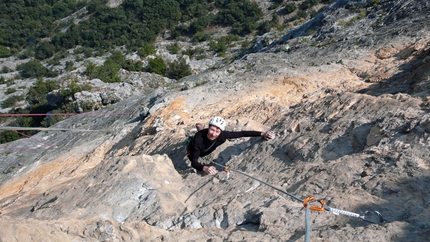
<point x="309" y="199"/>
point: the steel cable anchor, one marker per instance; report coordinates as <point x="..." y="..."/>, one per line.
<point x="336" y="211"/>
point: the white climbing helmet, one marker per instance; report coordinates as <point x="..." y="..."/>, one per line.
<point x="218" y="122"/>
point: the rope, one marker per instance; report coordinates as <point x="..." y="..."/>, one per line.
<point x="58" y="114"/>
<point x="48" y="129"/>
<point x="45" y="144"/>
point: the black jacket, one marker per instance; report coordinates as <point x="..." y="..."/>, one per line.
<point x="201" y="146"/>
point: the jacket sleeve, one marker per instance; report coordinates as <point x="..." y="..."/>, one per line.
<point x="194" y="158"/>
<point x="195" y="149"/>
<point x="240" y="134"/>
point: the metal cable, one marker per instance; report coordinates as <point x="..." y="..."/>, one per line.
<point x="265" y="183"/>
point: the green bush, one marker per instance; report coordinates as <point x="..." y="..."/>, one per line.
<point x="308" y="3"/>
<point x="290" y="7"/>
<point x="69" y="66"/>
<point x="245" y="44"/>
<point x="44" y="50"/>
<point x="5" y="69"/>
<point x="193" y="51"/>
<point x="31" y="69"/>
<point x="8" y="136"/>
<point x="130" y="65"/>
<point x="222" y="43"/>
<point x="147" y="49"/>
<point x="29" y="52"/>
<point x="157" y="65"/>
<point x="201" y="36"/>
<point x="200" y="24"/>
<point x="88" y="52"/>
<point x="10" y="91"/>
<point x="264" y="27"/>
<point x="36" y="95"/>
<point x="4" y="51"/>
<point x="241" y="15"/>
<point x="178" y="69"/>
<point x="179" y="31"/>
<point x="108" y="72"/>
<point x="11" y="101"/>
<point x="301" y="14"/>
<point x="173" y="48"/>
<point x="73" y="88"/>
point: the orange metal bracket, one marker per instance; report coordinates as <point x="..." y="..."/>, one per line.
<point x="310" y="198"/>
<point x="227" y="169"/>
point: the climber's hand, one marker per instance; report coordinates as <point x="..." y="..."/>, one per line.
<point x="269" y="135"/>
<point x="210" y="170"/>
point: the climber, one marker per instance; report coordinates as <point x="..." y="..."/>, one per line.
<point x="205" y="141"/>
<point x="144" y="112"/>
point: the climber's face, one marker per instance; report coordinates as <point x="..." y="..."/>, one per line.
<point x="213" y="132"/>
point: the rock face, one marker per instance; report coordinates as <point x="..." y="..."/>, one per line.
<point x="352" y="128"/>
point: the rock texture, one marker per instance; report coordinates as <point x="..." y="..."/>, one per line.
<point x="352" y="128"/>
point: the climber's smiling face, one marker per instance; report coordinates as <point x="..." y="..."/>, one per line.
<point x="213" y="132"/>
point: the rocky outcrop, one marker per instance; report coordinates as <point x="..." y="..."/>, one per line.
<point x="352" y="128"/>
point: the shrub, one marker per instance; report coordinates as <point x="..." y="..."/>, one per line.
<point x="192" y="52"/>
<point x="8" y="82"/>
<point x="147" y="49"/>
<point x="178" y="69"/>
<point x="290" y="7"/>
<point x="44" y="50"/>
<point x="11" y="101"/>
<point x="200" y="37"/>
<point x="5" y="69"/>
<point x="29" y="52"/>
<point x="108" y="72"/>
<point x="308" y="3"/>
<point x="173" y="48"/>
<point x="264" y="27"/>
<point x="32" y="68"/>
<point x="245" y="44"/>
<point x="88" y="52"/>
<point x="179" y="31"/>
<point x="69" y="66"/>
<point x="301" y="14"/>
<point x="157" y="65"/>
<point x="37" y="93"/>
<point x="8" y="136"/>
<point x="4" y="51"/>
<point x="130" y="65"/>
<point x="10" y="90"/>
